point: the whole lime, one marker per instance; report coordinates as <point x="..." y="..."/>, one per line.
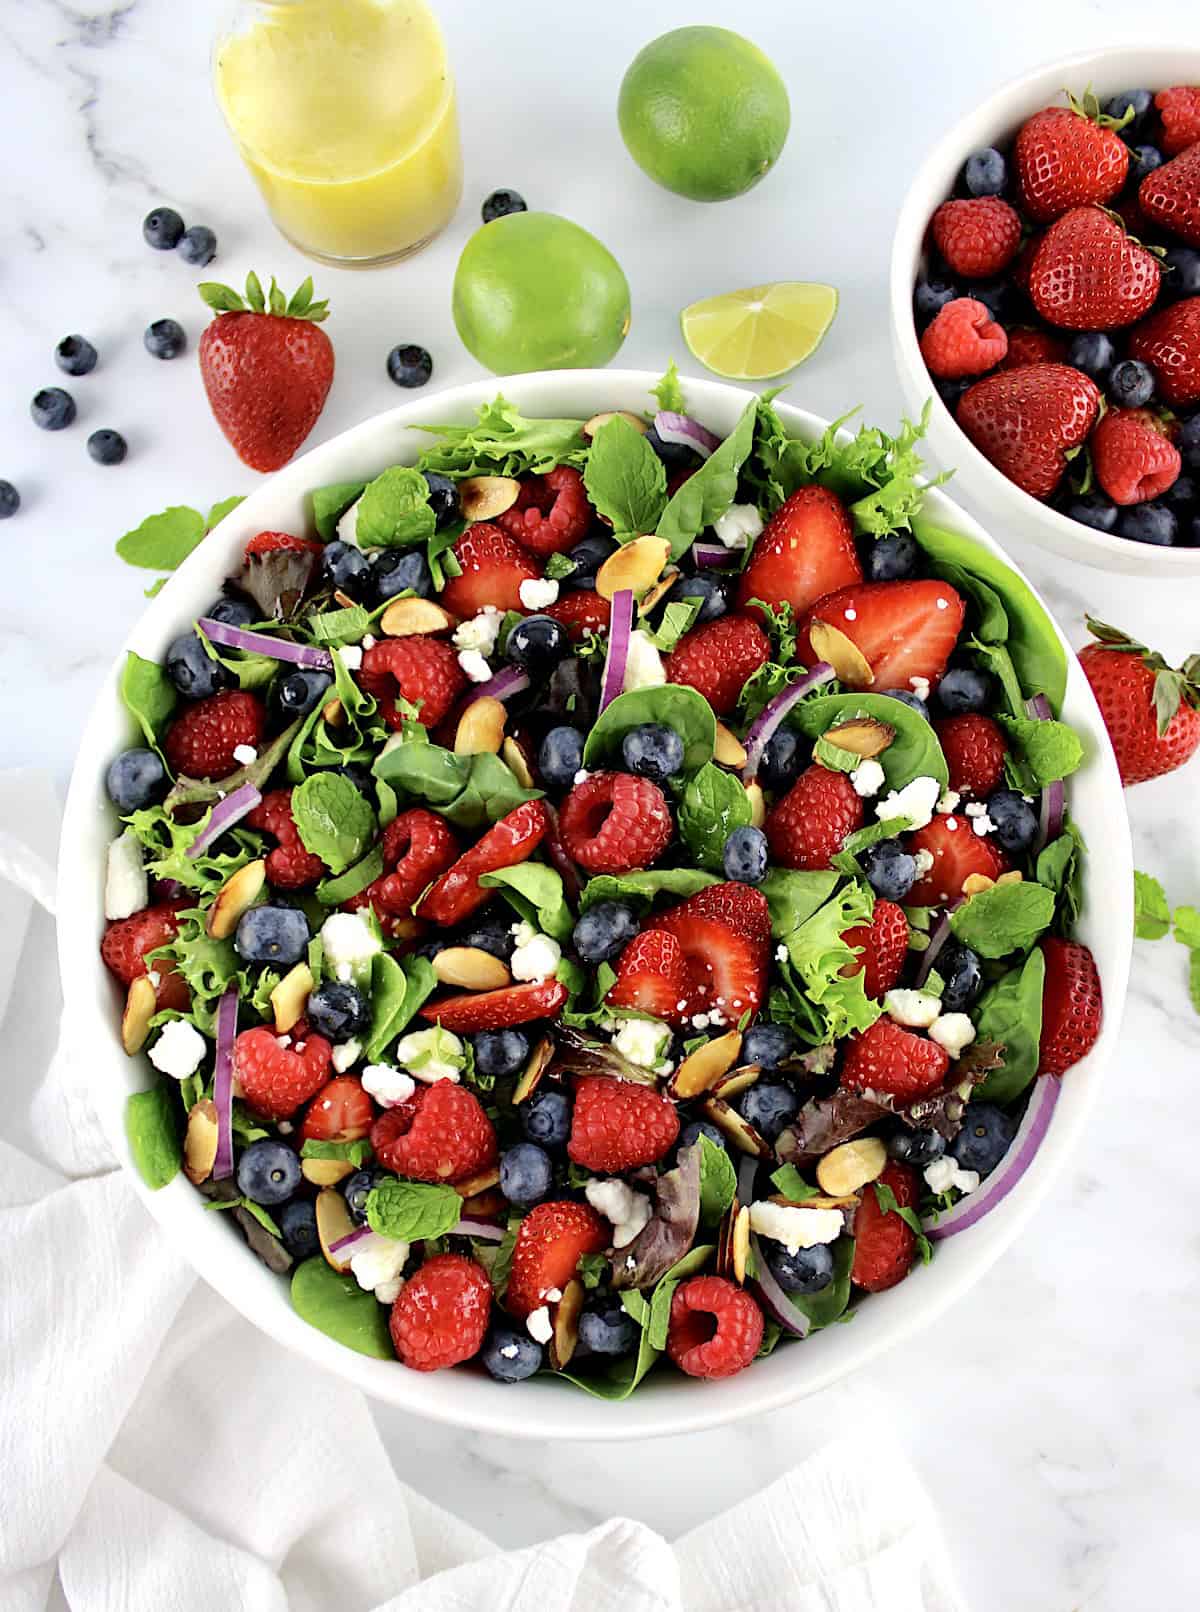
<point x="534" y="291"/>
<point x="703" y="112"/>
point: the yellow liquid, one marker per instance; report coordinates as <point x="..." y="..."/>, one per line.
<point x="345" y="115"/>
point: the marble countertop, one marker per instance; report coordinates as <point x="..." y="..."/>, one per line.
<point x="1054" y="1414"/>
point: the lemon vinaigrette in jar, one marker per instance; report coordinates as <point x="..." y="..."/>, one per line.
<point x="344" y="113"/>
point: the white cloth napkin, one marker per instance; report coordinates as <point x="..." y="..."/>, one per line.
<point x="158" y="1453"/>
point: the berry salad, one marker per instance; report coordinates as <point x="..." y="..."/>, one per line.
<point x="1059" y="313"/>
<point x="602" y="893"/>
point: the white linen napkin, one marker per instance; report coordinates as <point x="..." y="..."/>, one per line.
<point x="159" y="1453"/>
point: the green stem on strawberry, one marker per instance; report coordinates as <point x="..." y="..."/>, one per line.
<point x="224" y="299"/>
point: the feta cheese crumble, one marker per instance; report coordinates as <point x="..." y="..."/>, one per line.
<point x="179" y="1049"/>
<point x="920" y="685"/>
<point x="954" y="1031"/>
<point x="126" y="883"/>
<point x="796" y="1228"/>
<point x="480" y="632"/>
<point x="915" y="1009"/>
<point x="244" y="754"/>
<point x="431" y="1055"/>
<point x="348" y="942"/>
<point x="535" y="959"/>
<point x="738" y="525"/>
<point x="389" y="1087"/>
<point x="347" y="526"/>
<point x="642" y="1041"/>
<point x="948" y="802"/>
<point x="915" y="801"/>
<point x="352" y="656"/>
<point x="539" y="1325"/>
<point x="376" y="1264"/>
<point x="536" y="593"/>
<point x="946" y="1172"/>
<point x="643" y="664"/>
<point x="582" y="776"/>
<point x="924" y="861"/>
<point x="474" y="665"/>
<point x="627" y="1210"/>
<point x="867" y="778"/>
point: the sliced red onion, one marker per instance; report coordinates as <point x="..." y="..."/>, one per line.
<point x="684" y="432"/>
<point x="1038" y="707"/>
<point x="260" y="643"/>
<point x="511" y="680"/>
<point x="775" y="1301"/>
<point x="468" y="1226"/>
<point x="227" y="1012"/>
<point x="997" y="1186"/>
<point x="1054" y="795"/>
<point x="619" y="628"/>
<point x="710" y="556"/>
<point x="351" y="1237"/>
<point x="941" y="934"/>
<point x="773" y="714"/>
<point x="236" y="805"/>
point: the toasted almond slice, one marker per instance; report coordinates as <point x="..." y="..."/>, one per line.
<point x="817" y="1201"/>
<point x="701" y="1069"/>
<point x="1014" y="876"/>
<point x="290" y="997"/>
<point x="333" y="1223"/>
<point x="736" y="1081"/>
<point x="141" y="1004"/>
<point x="344" y="599"/>
<point x="480" y="729"/>
<point x="325" y="1172"/>
<point x="758" y="805"/>
<point x="514" y="757"/>
<point x="485" y="1204"/>
<point x="635" y="566"/>
<point x="239" y="892"/>
<point x="475" y="1184"/>
<point x="333" y="713"/>
<point x="410" y="618"/>
<point x="566" y="1324"/>
<point x="863" y="736"/>
<point x="482" y="498"/>
<point x="472" y="968"/>
<point x="200" y="1141"/>
<point x="539" y="1062"/>
<point x="723" y="1254"/>
<point x="659" y="591"/>
<point x="739" y="1131"/>
<point x="843" y="654"/>
<point x="975" y="883"/>
<point x="597" y="420"/>
<point x="407" y="928"/>
<point x="845" y="1169"/>
<point x="729" y="750"/>
<point x="740" y="1244"/>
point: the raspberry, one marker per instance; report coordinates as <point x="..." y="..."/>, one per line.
<point x="552" y="1239"/>
<point x="1179" y="108"/>
<point x="809" y="824"/>
<point x="613" y="822"/>
<point x="1033" y="347"/>
<point x="551" y="513"/>
<point x="581" y="613"/>
<point x="289" y="865"/>
<point x="618" y="1125"/>
<point x="963" y="340"/>
<point x="270" y="542"/>
<point x="974" y="749"/>
<point x="423" y="671"/>
<point x="1133" y="457"/>
<point x="441" y="1134"/>
<point x="716" y="659"/>
<point x="201" y="741"/>
<point x="888" y="1058"/>
<point x="1072" y="1007"/>
<point x="978" y="237"/>
<point x="458" y="892"/>
<point x="126" y="942"/>
<point x="884" y="1244"/>
<point x="417" y="847"/>
<point x="715" y="1328"/>
<point x="441" y="1315"/>
<point x="277" y="1079"/>
<point x="883" y="945"/>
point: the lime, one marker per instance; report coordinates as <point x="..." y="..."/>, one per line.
<point x="534" y="291"/>
<point x="760" y="332"/>
<point x="703" y="112"/>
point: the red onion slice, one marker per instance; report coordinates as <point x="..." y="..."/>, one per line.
<point x="773" y="714"/>
<point x="260" y="643"/>
<point x="227" y="1012"/>
<point x="684" y="432"/>
<point x="997" y="1186"/>
<point x="619" y="629"/>
<point x="937" y="940"/>
<point x="710" y="556"/>
<point x="225" y="814"/>
<point x="774" y="1300"/>
<point x="484" y="1230"/>
<point x="351" y="1237"/>
<point x="507" y="682"/>
<point x="1038" y="707"/>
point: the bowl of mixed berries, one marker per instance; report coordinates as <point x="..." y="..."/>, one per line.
<point x="591" y="886"/>
<point x="1046" y="288"/>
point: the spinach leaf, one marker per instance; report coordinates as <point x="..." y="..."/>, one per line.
<point x="333" y="892"/>
<point x="536" y="892"/>
<point x="355" y="1153"/>
<point x="640" y="890"/>
<point x="1051" y="750"/>
<point x="668" y="392"/>
<point x="333" y="818"/>
<point x="793" y="896"/>
<point x="678" y="707"/>
<point x="1151" y="910"/>
<point x="706" y="496"/>
<point x="467" y="790"/>
<point x="788" y="1181"/>
<point x="395" y="510"/>
<point x="398" y="989"/>
<point x="913" y="753"/>
<point x="503" y="443"/>
<point x="718" y="1182"/>
<point x="152" y="1131"/>
<point x="714" y="804"/>
<point x="995" y="658"/>
<point x="625" y="479"/>
<point x="148" y="695"/>
<point x="333" y="1302"/>
<point x="1005" y="918"/>
<point x="1010" y="1014"/>
<point x="407" y="1211"/>
<point x="333" y="628"/>
<point x="1060" y="868"/>
<point x="677" y="618"/>
<point x="989" y="617"/>
<point x="329" y="504"/>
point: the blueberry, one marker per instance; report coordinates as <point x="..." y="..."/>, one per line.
<point x="891" y="558"/>
<point x="808" y="1270"/>
<point x="710" y="590"/>
<point x="361" y="777"/>
<point x="75" y="355"/>
<point x="509" y="1354"/>
<point x="197" y="245"/>
<point x="10" y="500"/>
<point x="346" y="567"/>
<point x="1149" y="523"/>
<point x="691" y="1134"/>
<point x="965" y="688"/>
<point x="1182" y="494"/>
<point x="162" y="229"/>
<point x="1016" y="822"/>
<point x="545" y="1117"/>
<point x="931" y="296"/>
<point x="984" y="1138"/>
<point x="165" y="338"/>
<point x="998" y="297"/>
<point x="746" y="856"/>
<point x="192" y="669"/>
<point x="606" y="1327"/>
<point x="653" y="751"/>
<point x="917" y="1148"/>
<point x="52" y="409"/>
<point x="272" y="934"/>
<point x="603" y="931"/>
<point x="1143" y="160"/>
<point x="357" y="1188"/>
<point x="409" y="366"/>
<point x="338" y="1011"/>
<point x="500" y="1052"/>
<point x="299" y="691"/>
<point x="1092" y="352"/>
<point x="891" y="870"/>
<point x="233" y="612"/>
<point x="951" y="392"/>
<point x="298" y="1227"/>
<point x="1190" y="534"/>
<point x="268" y="1172"/>
<point x="1094" y="510"/>
<point x="526" y="1173"/>
<point x="985" y="172"/>
<point x="537" y="643"/>
<point x="396" y="571"/>
<point x="1183" y="264"/>
<point x="500" y="203"/>
<point x="782" y="759"/>
<point x="443" y="498"/>
<point x="135" y="778"/>
<point x="907" y="697"/>
<point x="962" y="974"/>
<point x="1142" y="101"/>
<point x="1188" y="442"/>
<point x="768" y="1106"/>
<point x="492" y="935"/>
<point x="767" y="1045"/>
<point x="1131" y="384"/>
<point x="675" y="455"/>
<point x="587" y="558"/>
<point x="107" y="447"/>
<point x="560" y="756"/>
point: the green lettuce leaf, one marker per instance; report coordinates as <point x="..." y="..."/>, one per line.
<point x="468" y="791"/>
<point x="149" y="696"/>
<point x="669" y="392"/>
<point x="503" y="443"/>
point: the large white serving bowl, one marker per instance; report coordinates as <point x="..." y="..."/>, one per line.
<point x="995" y="121"/>
<point x="667" y="1402"/>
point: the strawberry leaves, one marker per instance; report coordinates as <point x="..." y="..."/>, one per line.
<point x="224" y="299"/>
<point x="1172" y="685"/>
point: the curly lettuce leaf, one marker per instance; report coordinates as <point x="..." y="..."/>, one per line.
<point x="502" y="442"/>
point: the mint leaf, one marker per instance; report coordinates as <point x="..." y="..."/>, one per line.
<point x="1004" y="919"/>
<point x="536" y="892"/>
<point x="833" y="757"/>
<point x="329" y="504"/>
<point x="625" y="479"/>
<point x="162" y="542"/>
<point x="677" y="618"/>
<point x="718" y="1181"/>
<point x="152" y="1131"/>
<point x="356" y="1153"/>
<point x="148" y="695"/>
<point x="337" y="627"/>
<point x="1010" y="1015"/>
<point x="1151" y="911"/>
<point x="223" y="507"/>
<point x="592" y="1269"/>
<point x="705" y="496"/>
<point x="886" y="1199"/>
<point x="1052" y="750"/>
<point x="1194" y="979"/>
<point x="676" y="706"/>
<point x="395" y="510"/>
<point x="669" y="392"/>
<point x="333" y="819"/>
<point x="788" y="1181"/>
<point x="408" y="1211"/>
<point x="503" y="443"/>
<point x="558" y="567"/>
<point x="1187" y="927"/>
<point x="714" y="803"/>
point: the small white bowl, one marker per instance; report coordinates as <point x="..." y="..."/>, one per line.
<point x="994" y="122"/>
<point x="666" y="1403"/>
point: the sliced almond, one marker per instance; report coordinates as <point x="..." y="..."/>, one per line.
<point x="729" y="750"/>
<point x="485" y="1204"/>
<point x="659" y="591"/>
<point x="239" y="892"/>
<point x="410" y="618"/>
<point x="723" y="1256"/>
<point x="407" y="928"/>
<point x="739" y="1131"/>
<point x="845" y="1169"/>
<point x="843" y="654"/>
<point x="200" y="1141"/>
<point x="344" y="599"/>
<point x="736" y="1081"/>
<point x="635" y="566"/>
<point x="758" y="805"/>
<point x="701" y="1069"/>
<point x="514" y="758"/>
<point x="597" y="420"/>
<point x="1014" y="876"/>
<point x="141" y="1004"/>
<point x="482" y="498"/>
<point x="539" y="1062"/>
<point x="290" y="997"/>
<point x="325" y="1172"/>
<point x="333" y="1223"/>
<point x="480" y="729"/>
<point x="817" y="1201"/>
<point x="863" y="736"/>
<point x="333" y="713"/>
<point x="740" y="1244"/>
<point x="975" y="883"/>
<point x="472" y="968"/>
<point x="566" y="1324"/>
<point x="484" y="1181"/>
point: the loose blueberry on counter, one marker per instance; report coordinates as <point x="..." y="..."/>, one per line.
<point x="767" y="1045"/>
<point x="192" y="669"/>
<point x="606" y="1326"/>
<point x="297" y="693"/>
<point x="768" y="1106"/>
<point x="962" y="974"/>
<point x="500" y="1052"/>
<point x="691" y="1134"/>
<point x="1096" y="511"/>
<point x="357" y="1188"/>
<point x="1181" y="272"/>
<point x="907" y="697"/>
<point x="10" y="500"/>
<point x="1188" y="441"/>
<point x="782" y="759"/>
<point x="984" y="1138"/>
<point x="1092" y="352"/>
<point x="1016" y="822"/>
<point x="931" y="296"/>
<point x="917" y="1148"/>
<point x="1142" y="102"/>
<point x="537" y="643"/>
<point x="162" y="229"/>
<point x="526" y="1174"/>
<point x="710" y="590"/>
<point x="546" y="1117"/>
<point x="964" y="688"/>
<point x="492" y="935"/>
<point x="1143" y="160"/>
<point x="891" y="870"/>
<point x="808" y="1270"/>
<point x="653" y="751"/>
<point x="75" y="355"/>
<point x="500" y="203"/>
<point x="165" y="338"/>
<point x="233" y="612"/>
<point x="345" y="566"/>
<point x="268" y="1172"/>
<point x="338" y="1011"/>
<point x="272" y="934"/>
<point x="135" y="779"/>
<point x="52" y="409"/>
<point x="197" y="245"/>
<point x="395" y="572"/>
<point x="107" y="447"/>
<point x="985" y="172"/>
<point x="891" y="558"/>
<point x="510" y="1355"/>
<point x="443" y="498"/>
<point x="298" y="1228"/>
<point x="1149" y="523"/>
<point x="1131" y="384"/>
<point x="746" y="856"/>
<point x="604" y="931"/>
<point x="409" y="366"/>
<point x="675" y="455"/>
<point x="587" y="558"/>
<point x="560" y="756"/>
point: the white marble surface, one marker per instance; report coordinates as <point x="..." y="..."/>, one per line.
<point x="1055" y="1414"/>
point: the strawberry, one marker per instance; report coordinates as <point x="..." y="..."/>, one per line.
<point x="278" y="1078"/>
<point x="289" y="865"/>
<point x="417" y="847"/>
<point x="808" y="825"/>
<point x="1151" y="711"/>
<point x="1089" y="273"/>
<point x="551" y="513"/>
<point x="340" y="1112"/>
<point x="884" y="1243"/>
<point x="957" y="852"/>
<point x="1179" y="109"/>
<point x="977" y="237"/>
<point x="458" y="892"/>
<point x="652" y="977"/>
<point x="617" y="1125"/>
<point x="1066" y="156"/>
<point x="1169" y="342"/>
<point x="493" y="567"/>
<point x="717" y="658"/>
<point x="497" y="1010"/>
<point x="1133" y="457"/>
<point x="1170" y="196"/>
<point x="440" y="1317"/>
<point x="805" y="550"/>
<point x="902" y="629"/>
<point x="738" y="906"/>
<point x="201" y="741"/>
<point x="962" y="340"/>
<point x="714" y="1329"/>
<point x="551" y="1240"/>
<point x="273" y="542"/>
<point x="127" y="940"/>
<point x="440" y="1134"/>
<point x="883" y="947"/>
<point x="974" y="748"/>
<point x="1027" y="346"/>
<point x="614" y="822"/>
<point x="581" y="613"/>
<point x="266" y="368"/>
<point x="888" y="1058"/>
<point x="726" y="952"/>
<point x="1072" y="1006"/>
<point x="422" y="671"/>
<point x="1029" y="421"/>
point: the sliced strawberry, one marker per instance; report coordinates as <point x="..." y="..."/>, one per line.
<point x="458" y="892"/>
<point x="957" y="852"/>
<point x="1072" y="1007"/>
<point x="652" y="977"/>
<point x="581" y="613"/>
<point x="905" y="630"/>
<point x="271" y="542"/>
<point x="806" y="551"/>
<point x="552" y="1239"/>
<point x="742" y="908"/>
<point x="497" y="1010"/>
<point x="883" y="947"/>
<point x="493" y="567"/>
<point x="728" y="970"/>
<point x="341" y="1112"/>
<point x="884" y="1243"/>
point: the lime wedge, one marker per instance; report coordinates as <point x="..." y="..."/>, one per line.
<point x="761" y="332"/>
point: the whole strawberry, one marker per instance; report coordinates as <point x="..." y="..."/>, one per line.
<point x="1027" y="346"/>
<point x="1029" y="421"/>
<point x="1089" y="273"/>
<point x="978" y="237"/>
<point x="1151" y="711"/>
<point x="1133" y="457"/>
<point x="1169" y="342"/>
<point x="266" y="367"/>
<point x="1179" y="109"/>
<point x="1072" y="1005"/>
<point x="1068" y="155"/>
<point x="1170" y="196"/>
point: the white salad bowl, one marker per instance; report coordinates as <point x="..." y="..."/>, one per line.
<point x="666" y="1402"/>
<point x="995" y="121"/>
